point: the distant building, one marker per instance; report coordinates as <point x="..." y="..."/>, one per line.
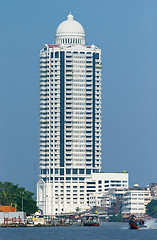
<point x="105" y="182"/>
<point x="147" y="197"/>
<point x="135" y="201"/>
<point x="98" y="200"/>
<point x="115" y="207"/>
<point x="153" y="189"/>
<point x="106" y="190"/>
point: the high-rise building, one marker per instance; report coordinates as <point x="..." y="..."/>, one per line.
<point x="70" y="120"/>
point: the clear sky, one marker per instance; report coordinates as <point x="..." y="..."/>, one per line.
<point x="126" y="31"/>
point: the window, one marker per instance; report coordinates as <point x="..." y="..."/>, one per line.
<point x="81" y="171"/>
<point x="97" y="56"/>
<point x="61" y="171"/>
<point x="56" y="171"/>
<point x="56" y="54"/>
<point x="74" y="171"/>
<point x="51" y="54"/>
<point x="68" y="171"/>
<point x="74" y="178"/>
<point x="68" y="178"/>
<point x="81" y="179"/>
<point x="88" y="171"/>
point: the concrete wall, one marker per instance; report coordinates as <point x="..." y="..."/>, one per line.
<point x="12" y="215"/>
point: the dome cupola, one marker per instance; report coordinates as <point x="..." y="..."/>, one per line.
<point x="70" y="32"/>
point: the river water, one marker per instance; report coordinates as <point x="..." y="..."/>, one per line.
<point x="106" y="231"/>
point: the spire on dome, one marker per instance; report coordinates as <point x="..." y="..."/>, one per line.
<point x="70" y="17"/>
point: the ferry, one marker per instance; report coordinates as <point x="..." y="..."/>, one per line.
<point x="91" y="220"/>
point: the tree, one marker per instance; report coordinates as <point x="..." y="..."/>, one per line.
<point x="116" y="218"/>
<point x="11" y="194"/>
<point x="151" y="208"/>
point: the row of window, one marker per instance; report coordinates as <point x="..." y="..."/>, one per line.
<point x="56" y="54"/>
<point x="106" y="181"/>
<point x="68" y="171"/>
<point x="70" y="41"/>
<point x="75" y="179"/>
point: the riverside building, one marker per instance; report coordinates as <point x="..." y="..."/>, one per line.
<point x="135" y="200"/>
<point x="70" y="120"/>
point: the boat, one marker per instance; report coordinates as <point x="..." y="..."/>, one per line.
<point x="91" y="220"/>
<point x="61" y="224"/>
<point x="134" y="224"/>
<point x="63" y="220"/>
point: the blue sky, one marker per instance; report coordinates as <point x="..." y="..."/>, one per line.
<point x="125" y="30"/>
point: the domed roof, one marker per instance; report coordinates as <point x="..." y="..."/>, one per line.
<point x="70" y="28"/>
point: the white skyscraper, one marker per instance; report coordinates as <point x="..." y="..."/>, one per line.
<point x="70" y="120"/>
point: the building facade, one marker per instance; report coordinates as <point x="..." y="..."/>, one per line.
<point x="153" y="189"/>
<point x="70" y="123"/>
<point x="70" y="118"/>
<point x="104" y="188"/>
<point x="135" y="201"/>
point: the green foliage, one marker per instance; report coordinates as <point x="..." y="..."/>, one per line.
<point x="11" y="194"/>
<point x="116" y="218"/>
<point x="151" y="208"/>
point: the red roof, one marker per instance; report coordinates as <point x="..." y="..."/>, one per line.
<point x="7" y="209"/>
<point x="52" y="45"/>
<point x="88" y="46"/>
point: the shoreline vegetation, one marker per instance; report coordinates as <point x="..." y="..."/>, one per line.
<point x="116" y="218"/>
<point x="17" y="197"/>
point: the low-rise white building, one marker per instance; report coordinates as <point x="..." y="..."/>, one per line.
<point x="98" y="199"/>
<point x="104" y="199"/>
<point x="105" y="182"/>
<point x="153" y="189"/>
<point x="97" y="184"/>
<point x="147" y="197"/>
<point x="135" y="201"/>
